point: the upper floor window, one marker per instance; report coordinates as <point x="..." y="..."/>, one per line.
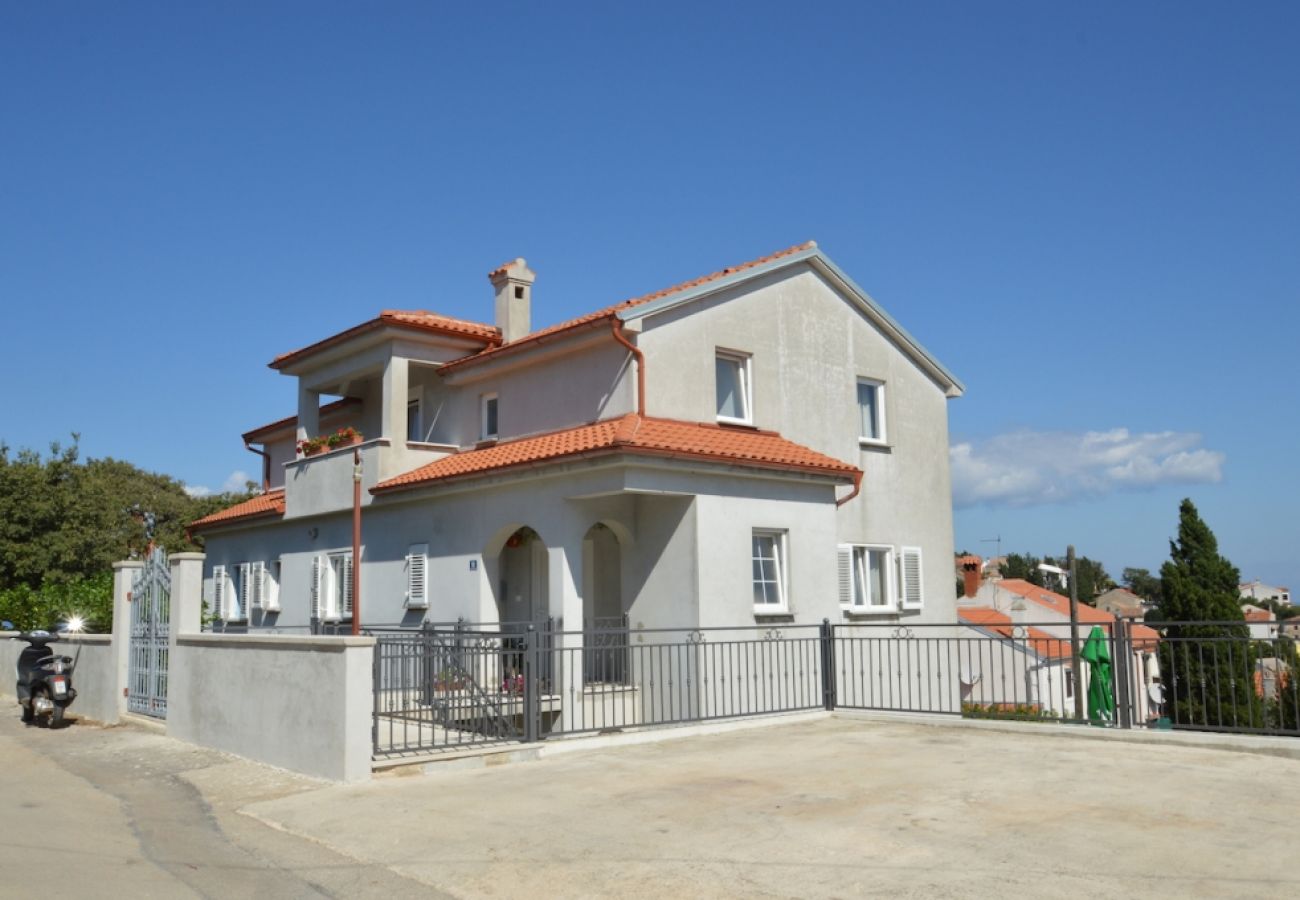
<point x="488" y="418"/>
<point x="414" y="423"/>
<point x="735" y="400"/>
<point x="769" y="563"/>
<point x="871" y="411"/>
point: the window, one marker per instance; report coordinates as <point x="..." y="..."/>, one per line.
<point x="220" y="591"/>
<point x="769" y="559"/>
<point x="871" y="411"/>
<point x="238" y="594"/>
<point x="488" y="418"/>
<point x="867" y="578"/>
<point x="266" y="586"/>
<point x="414" y="429"/>
<point x="331" y="595"/>
<point x="417" y="589"/>
<point x="1069" y="682"/>
<point x="732" y="377"/>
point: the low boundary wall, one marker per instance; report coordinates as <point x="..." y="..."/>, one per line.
<point x="95" y="677"/>
<point x="299" y="702"/>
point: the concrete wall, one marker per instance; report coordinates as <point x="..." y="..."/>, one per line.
<point x="301" y="703"/>
<point x="95" y="677"/>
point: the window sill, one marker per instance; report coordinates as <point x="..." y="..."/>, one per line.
<point x="869" y="611"/>
<point x="870" y="444"/>
<point x="773" y="616"/>
<point x="738" y="423"/>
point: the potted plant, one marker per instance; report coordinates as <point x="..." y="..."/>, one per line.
<point x="343" y="437"/>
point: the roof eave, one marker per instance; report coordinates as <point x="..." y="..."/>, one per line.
<point x="815" y="257"/>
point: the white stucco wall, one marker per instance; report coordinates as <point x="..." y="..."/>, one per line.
<point x="808" y="347"/>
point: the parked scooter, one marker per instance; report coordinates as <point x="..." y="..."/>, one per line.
<point x="44" y="679"/>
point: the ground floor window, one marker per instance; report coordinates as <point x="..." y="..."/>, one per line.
<point x="331" y="596"/>
<point x="867" y="577"/>
<point x="769" y="570"/>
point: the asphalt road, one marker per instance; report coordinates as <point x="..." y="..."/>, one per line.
<point x="87" y="811"/>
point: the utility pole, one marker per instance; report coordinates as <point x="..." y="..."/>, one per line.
<point x="356" y="541"/>
<point x="1074" y="633"/>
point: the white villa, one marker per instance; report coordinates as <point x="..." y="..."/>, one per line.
<point x="764" y="444"/>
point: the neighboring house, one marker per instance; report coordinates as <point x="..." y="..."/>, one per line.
<point x="1257" y="590"/>
<point x="1121" y="602"/>
<point x="1025" y="666"/>
<point x="761" y="445"/>
<point x="1028" y="603"/>
<point x="1261" y="622"/>
<point x="1290" y="628"/>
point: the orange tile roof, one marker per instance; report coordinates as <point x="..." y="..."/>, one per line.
<point x="610" y="311"/>
<point x="269" y="504"/>
<point x="634" y="435"/>
<point x="416" y="320"/>
<point x="271" y="427"/>
<point x="1040" y="641"/>
<point x="1059" y="603"/>
<point x="1258" y="615"/>
<point x="1044" y="644"/>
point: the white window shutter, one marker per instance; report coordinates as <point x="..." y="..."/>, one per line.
<point x="911" y="594"/>
<point x="240" y="612"/>
<point x="259" y="586"/>
<point x="317" y="576"/>
<point x="219" y="592"/>
<point x="270" y="590"/>
<point x="347" y="586"/>
<point x="417" y="596"/>
<point x="845" y="552"/>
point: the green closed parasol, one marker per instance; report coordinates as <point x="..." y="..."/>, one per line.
<point x="1101" y="690"/>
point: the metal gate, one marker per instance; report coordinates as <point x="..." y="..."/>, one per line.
<point x="150" y="621"/>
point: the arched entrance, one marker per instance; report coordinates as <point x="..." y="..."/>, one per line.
<point x="521" y="579"/>
<point x="604" y="624"/>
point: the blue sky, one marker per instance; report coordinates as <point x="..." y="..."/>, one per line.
<point x="1088" y="212"/>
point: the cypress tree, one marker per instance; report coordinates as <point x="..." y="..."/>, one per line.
<point x="1207" y="668"/>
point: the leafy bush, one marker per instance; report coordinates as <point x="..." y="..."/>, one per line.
<point x="57" y="601"/>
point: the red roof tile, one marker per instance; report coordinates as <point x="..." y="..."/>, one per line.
<point x="609" y="311"/>
<point x="635" y="435"/>
<point x="271" y="427"/>
<point x="269" y="504"/>
<point x="416" y="320"/>
<point x="1045" y="645"/>
<point x="1059" y="603"/>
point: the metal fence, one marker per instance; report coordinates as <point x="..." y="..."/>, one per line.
<point x="457" y="685"/>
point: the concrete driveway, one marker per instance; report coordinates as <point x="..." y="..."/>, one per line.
<point x="835" y="807"/>
<point x="832" y="808"/>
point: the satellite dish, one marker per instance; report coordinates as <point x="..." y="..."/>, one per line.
<point x="969" y="674"/>
<point x="1157" y="693"/>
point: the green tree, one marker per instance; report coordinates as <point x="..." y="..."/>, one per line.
<point x="63" y="522"/>
<point x="1023" y="566"/>
<point x="1092" y="576"/>
<point x="1208" y="669"/>
<point x="1142" y="583"/>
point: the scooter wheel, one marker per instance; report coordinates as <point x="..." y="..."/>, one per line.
<point x="28" y="714"/>
<point x="56" y="717"/>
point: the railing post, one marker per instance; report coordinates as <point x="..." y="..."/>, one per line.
<point x="1123" y="675"/>
<point x="532" y="708"/>
<point x="828" y="664"/>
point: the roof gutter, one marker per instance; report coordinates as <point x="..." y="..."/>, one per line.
<point x="616" y="328"/>
<point x="857" y="487"/>
<point x="266" y="466"/>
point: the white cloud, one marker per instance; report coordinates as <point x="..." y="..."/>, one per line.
<point x="1027" y="468"/>
<point x="233" y="483"/>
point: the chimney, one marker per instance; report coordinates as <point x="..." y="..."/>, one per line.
<point x="514" y="286"/>
<point x="971" y="573"/>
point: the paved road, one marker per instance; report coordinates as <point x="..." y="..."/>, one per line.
<point x="108" y="812"/>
